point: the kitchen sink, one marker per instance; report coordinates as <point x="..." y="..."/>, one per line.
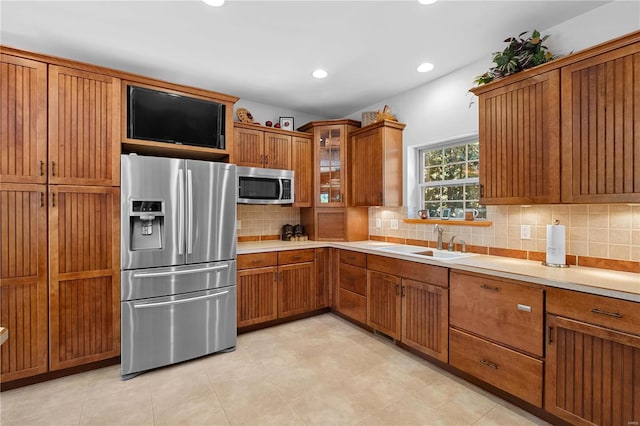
<point x="418" y="251"/>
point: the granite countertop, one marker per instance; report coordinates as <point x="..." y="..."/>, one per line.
<point x="620" y="285"/>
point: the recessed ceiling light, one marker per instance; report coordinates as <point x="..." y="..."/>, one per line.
<point x="427" y="1"/>
<point x="319" y="74"/>
<point x="425" y="67"/>
<point x="214" y="3"/>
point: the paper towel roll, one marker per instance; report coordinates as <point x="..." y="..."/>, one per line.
<point x="556" y="248"/>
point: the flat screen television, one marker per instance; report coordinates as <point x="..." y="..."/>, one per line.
<point x="154" y="115"/>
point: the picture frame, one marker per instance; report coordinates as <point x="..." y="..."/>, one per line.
<point x="446" y="214"/>
<point x="286" y="123"/>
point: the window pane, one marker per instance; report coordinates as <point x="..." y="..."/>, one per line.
<point x="454" y="193"/>
<point x="454" y="154"/>
<point x="432" y="194"/>
<point x="433" y="158"/>
<point x="473" y="169"/>
<point x="473" y="151"/>
<point x="433" y="209"/>
<point x="454" y="171"/>
<point x="482" y="210"/>
<point x="472" y="192"/>
<point x="457" y="209"/>
<point x="432" y="174"/>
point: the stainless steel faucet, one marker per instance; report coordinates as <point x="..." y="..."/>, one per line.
<point x="452" y="245"/>
<point x="463" y="247"/>
<point x="439" y="229"/>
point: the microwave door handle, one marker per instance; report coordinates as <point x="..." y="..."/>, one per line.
<point x="180" y="212"/>
<point x="190" y="212"/>
<point x="281" y="182"/>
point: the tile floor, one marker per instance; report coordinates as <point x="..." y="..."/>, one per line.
<point x="318" y="371"/>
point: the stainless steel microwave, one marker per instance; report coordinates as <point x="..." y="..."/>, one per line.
<point x="265" y="186"/>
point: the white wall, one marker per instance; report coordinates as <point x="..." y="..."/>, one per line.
<point x="263" y="112"/>
<point x="440" y="110"/>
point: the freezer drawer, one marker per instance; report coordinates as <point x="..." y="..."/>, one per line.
<point x="166" y="330"/>
<point x="155" y="282"/>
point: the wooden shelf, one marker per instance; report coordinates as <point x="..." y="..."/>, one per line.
<point x="174" y="150"/>
<point x="453" y="222"/>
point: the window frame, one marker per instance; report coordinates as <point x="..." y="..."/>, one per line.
<point x="420" y="183"/>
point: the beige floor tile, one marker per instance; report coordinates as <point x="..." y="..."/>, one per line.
<point x="194" y="408"/>
<point x="280" y="416"/>
<point x="406" y="411"/>
<point x="62" y="414"/>
<point x="247" y="398"/>
<point x="502" y="416"/>
<point x="125" y="409"/>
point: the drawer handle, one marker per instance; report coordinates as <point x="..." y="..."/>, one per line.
<point x="488" y="287"/>
<point x="297" y="257"/>
<point x="525" y="308"/>
<point x="255" y="262"/>
<point x="611" y="314"/>
<point x="488" y="364"/>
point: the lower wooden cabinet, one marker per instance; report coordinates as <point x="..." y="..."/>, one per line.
<point x="506" y="369"/>
<point x="23" y="280"/>
<point x="283" y="285"/>
<point x="592" y="373"/>
<point x="352" y="285"/>
<point x="323" y="277"/>
<point x="84" y="265"/>
<point x="257" y="291"/>
<point x="296" y="282"/>
<point x="413" y="312"/>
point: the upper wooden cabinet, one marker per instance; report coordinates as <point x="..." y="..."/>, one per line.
<point x="23" y="122"/>
<point x="330" y="160"/>
<point x="302" y="165"/>
<point x="601" y="128"/>
<point x="376" y="152"/>
<point x="520" y="141"/>
<point x="565" y="131"/>
<point x="261" y="147"/>
<point x="84" y="127"/>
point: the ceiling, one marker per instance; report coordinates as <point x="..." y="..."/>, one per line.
<point x="265" y="51"/>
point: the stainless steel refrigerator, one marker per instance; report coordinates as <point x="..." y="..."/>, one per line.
<point x="178" y="268"/>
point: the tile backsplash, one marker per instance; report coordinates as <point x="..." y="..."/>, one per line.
<point x="265" y="220"/>
<point x="609" y="231"/>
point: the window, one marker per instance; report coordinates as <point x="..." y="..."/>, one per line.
<point x="448" y="178"/>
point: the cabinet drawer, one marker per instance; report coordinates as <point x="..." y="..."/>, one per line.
<point x="353" y="279"/>
<point x="511" y="371"/>
<point x="353" y="258"/>
<point x="353" y="305"/>
<point x="618" y="314"/>
<point x="257" y="260"/>
<point x="499" y="310"/>
<point x="417" y="271"/>
<point x="296" y="256"/>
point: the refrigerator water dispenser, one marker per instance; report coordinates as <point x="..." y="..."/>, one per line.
<point x="146" y="224"/>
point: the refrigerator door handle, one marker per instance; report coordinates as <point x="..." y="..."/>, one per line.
<point x="177" y="302"/>
<point x="180" y="212"/>
<point x="184" y="272"/>
<point x="190" y="212"/>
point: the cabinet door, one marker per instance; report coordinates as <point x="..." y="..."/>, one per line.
<point x="84" y="289"/>
<point x="425" y="318"/>
<point x="601" y="128"/>
<point x="366" y="160"/>
<point x="296" y="289"/>
<point x="592" y="373"/>
<point x="23" y="122"/>
<point x="520" y="142"/>
<point x="277" y="151"/>
<point x="302" y="165"/>
<point x="23" y="280"/>
<point x="257" y="296"/>
<point x="84" y="128"/>
<point x="330" y="175"/>
<point x="248" y="147"/>
<point x="384" y="303"/>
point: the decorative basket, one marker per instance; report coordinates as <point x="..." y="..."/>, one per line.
<point x="368" y="117"/>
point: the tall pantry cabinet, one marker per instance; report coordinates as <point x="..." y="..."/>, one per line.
<point x="59" y="198"/>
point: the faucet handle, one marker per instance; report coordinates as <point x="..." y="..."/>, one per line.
<point x="463" y="246"/>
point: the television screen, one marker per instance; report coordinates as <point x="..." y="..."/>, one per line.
<point x="166" y="117"/>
